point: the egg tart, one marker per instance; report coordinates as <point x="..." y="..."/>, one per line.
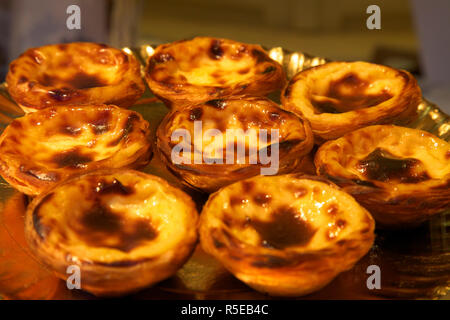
<point x="401" y="175"/>
<point x="286" y="235"/>
<point x="124" y="229"/>
<point x="225" y="140"/>
<point x="340" y="97"/>
<point x="74" y="73"/>
<point x="49" y="145"/>
<point x="194" y="71"/>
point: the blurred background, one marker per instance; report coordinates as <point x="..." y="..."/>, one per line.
<point x="413" y="34"/>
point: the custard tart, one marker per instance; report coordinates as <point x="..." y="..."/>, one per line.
<point x="74" y="73"/>
<point x="401" y="175"/>
<point x="193" y="71"/>
<point x="225" y="140"/>
<point x="340" y="97"/>
<point x="286" y="235"/>
<point x="49" y="145"/>
<point x="124" y="229"/>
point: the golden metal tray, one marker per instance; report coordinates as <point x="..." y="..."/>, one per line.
<point x="413" y="264"/>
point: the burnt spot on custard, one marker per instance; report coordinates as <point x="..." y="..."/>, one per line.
<point x="100" y="124"/>
<point x="349" y="93"/>
<point x="217" y="103"/>
<point x="162" y="57"/>
<point x="71" y="159"/>
<point x="247" y="186"/>
<point x="85" y="81"/>
<point x="22" y="79"/>
<point x="113" y="187"/>
<point x="284" y="230"/>
<point x="218" y="244"/>
<point x="227" y="220"/>
<point x="215" y="50"/>
<point x="16" y="124"/>
<point x="195" y="114"/>
<point x="237" y="201"/>
<point x="70" y="130"/>
<point x="62" y="95"/>
<point x="41" y="229"/>
<point x="341" y="223"/>
<point x="299" y="192"/>
<point x="79" y="80"/>
<point x="274" y="116"/>
<point x="335" y="229"/>
<point x="262" y="199"/>
<point x="100" y="227"/>
<point x="332" y="209"/>
<point x="383" y="166"/>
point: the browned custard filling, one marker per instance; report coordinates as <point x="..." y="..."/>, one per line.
<point x="74" y="73"/>
<point x="341" y="97"/>
<point x="122" y="217"/>
<point x="47" y="146"/>
<point x="97" y="224"/>
<point x="281" y="213"/>
<point x="193" y="71"/>
<point x="401" y="175"/>
<point x="284" y="226"/>
<point x="286" y="235"/>
<point x="248" y="129"/>
<point x="284" y="230"/>
<point x="385" y="154"/>
<point x="383" y="166"/>
<point x="99" y="221"/>
<point x="348" y="93"/>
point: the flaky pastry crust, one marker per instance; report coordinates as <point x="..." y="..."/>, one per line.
<point x="190" y="72"/>
<point x="340" y="97"/>
<point x="401" y="175"/>
<point x="285" y="235"/>
<point x="50" y="145"/>
<point x="124" y="229"/>
<point x="74" y="73"/>
<point x="237" y="113"/>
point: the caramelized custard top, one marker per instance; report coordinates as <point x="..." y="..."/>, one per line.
<point x="47" y="146"/>
<point x="386" y="154"/>
<point x="81" y="73"/>
<point x="286" y="213"/>
<point x="120" y="215"/>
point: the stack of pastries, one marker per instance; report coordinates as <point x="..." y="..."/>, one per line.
<point x="77" y="153"/>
